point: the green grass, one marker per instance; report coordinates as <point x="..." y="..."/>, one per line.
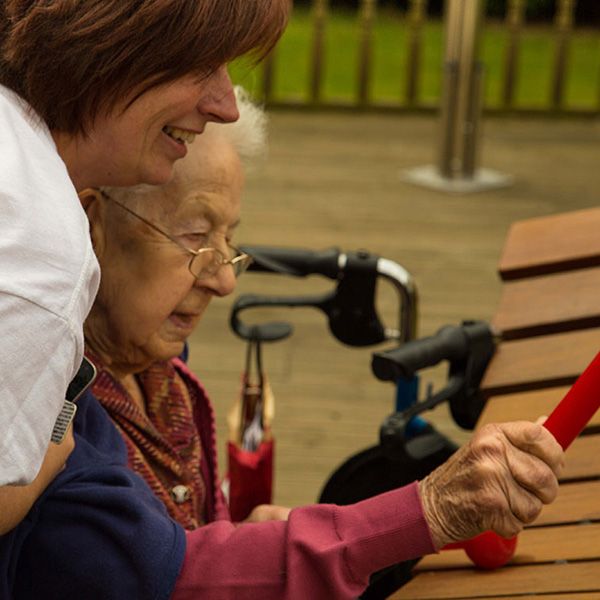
<point x="388" y="84"/>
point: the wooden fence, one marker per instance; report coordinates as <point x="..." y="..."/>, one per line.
<point x="416" y="17"/>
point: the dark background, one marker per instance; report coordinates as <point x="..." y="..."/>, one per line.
<point x="587" y="12"/>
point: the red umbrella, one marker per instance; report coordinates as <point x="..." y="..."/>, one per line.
<point x="250" y="445"/>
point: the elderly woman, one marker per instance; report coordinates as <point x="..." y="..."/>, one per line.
<point x="93" y="92"/>
<point x="165" y="254"/>
<point x="161" y="269"/>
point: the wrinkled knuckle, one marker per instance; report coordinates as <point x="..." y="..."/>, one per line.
<point x="540" y="479"/>
<point x="490" y="430"/>
<point x="511" y="529"/>
<point x="550" y="491"/>
<point x="490" y="445"/>
<point x="531" y="511"/>
<point x="486" y="471"/>
<point x="495" y="504"/>
<point x="532" y="432"/>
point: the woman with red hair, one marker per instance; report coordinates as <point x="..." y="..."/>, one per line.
<point x="94" y="92"/>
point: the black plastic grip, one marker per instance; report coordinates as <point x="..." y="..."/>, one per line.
<point x="294" y="261"/>
<point x="451" y="343"/>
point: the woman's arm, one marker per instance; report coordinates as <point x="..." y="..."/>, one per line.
<point x="16" y="500"/>
<point x="320" y="552"/>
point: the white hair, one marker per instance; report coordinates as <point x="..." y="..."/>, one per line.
<point x="247" y="135"/>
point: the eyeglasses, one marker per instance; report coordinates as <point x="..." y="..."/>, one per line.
<point x="205" y="262"/>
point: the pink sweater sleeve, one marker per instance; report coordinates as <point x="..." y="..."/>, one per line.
<point x="322" y="552"/>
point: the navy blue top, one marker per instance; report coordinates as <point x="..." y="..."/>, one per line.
<point x="98" y="532"/>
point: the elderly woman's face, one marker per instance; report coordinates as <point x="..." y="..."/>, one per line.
<point x="149" y="302"/>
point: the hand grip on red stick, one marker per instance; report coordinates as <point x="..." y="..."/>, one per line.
<point x="565" y="423"/>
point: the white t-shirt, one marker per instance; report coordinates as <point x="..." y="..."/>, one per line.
<point x="49" y="277"/>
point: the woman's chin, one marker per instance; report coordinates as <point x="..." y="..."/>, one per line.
<point x="173" y="350"/>
<point x="164" y="349"/>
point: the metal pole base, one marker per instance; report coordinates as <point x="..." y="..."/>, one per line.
<point x="430" y="177"/>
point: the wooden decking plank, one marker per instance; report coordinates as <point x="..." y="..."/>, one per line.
<point x="473" y="583"/>
<point x="521" y="405"/>
<point x="539" y="362"/>
<point x="534" y="596"/>
<point x="535" y="545"/>
<point x="537" y="306"/>
<point x="576" y="502"/>
<point x="550" y="244"/>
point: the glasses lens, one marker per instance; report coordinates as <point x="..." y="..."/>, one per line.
<point x="206" y="263"/>
<point x="240" y="263"/>
<point x="210" y="260"/>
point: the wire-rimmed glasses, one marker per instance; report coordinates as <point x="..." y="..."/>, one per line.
<point x="205" y="262"/>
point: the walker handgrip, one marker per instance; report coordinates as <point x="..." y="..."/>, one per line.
<point x="449" y="343"/>
<point x="565" y="423"/>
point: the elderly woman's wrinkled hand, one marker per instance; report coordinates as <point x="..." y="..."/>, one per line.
<point x="499" y="481"/>
<point x="268" y="512"/>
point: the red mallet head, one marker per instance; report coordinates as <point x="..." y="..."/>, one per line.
<point x="488" y="550"/>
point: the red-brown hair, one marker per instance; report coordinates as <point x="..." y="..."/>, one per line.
<point x="72" y="59"/>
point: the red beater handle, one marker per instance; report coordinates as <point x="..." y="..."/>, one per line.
<point x="576" y="409"/>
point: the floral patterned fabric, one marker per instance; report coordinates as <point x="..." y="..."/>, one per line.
<point x="163" y="442"/>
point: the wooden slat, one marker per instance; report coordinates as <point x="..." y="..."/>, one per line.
<point x="576" y="502"/>
<point x="543" y="579"/>
<point x="526" y="406"/>
<point x="534" y="596"/>
<point x="535" y="545"/>
<point x="537" y="305"/>
<point x="542" y="361"/>
<point x="582" y="458"/>
<point x="551" y="244"/>
<point x="559" y="317"/>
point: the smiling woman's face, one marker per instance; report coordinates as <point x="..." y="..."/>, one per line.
<point x="149" y="302"/>
<point x="140" y="141"/>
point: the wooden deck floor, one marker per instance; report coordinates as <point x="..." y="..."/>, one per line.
<point x="335" y="180"/>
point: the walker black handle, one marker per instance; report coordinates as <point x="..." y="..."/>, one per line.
<point x="350" y="307"/>
<point x="449" y="343"/>
<point x="294" y="261"/>
<point x="467" y="347"/>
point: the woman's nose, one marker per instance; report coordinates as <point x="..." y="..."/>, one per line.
<point x="222" y="283"/>
<point x="218" y="102"/>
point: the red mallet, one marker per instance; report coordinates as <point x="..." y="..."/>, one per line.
<point x="565" y="423"/>
<point x="488" y="550"/>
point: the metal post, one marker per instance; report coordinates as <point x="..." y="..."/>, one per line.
<point x="460" y="110"/>
<point x="367" y="16"/>
<point x="268" y="77"/>
<point x="564" y="25"/>
<point x="514" y="21"/>
<point x="416" y="18"/>
<point x="319" y="20"/>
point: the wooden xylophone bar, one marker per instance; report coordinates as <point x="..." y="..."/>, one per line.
<point x="549" y="320"/>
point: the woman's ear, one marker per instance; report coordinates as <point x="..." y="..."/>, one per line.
<point x="88" y="196"/>
<point x="93" y="205"/>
